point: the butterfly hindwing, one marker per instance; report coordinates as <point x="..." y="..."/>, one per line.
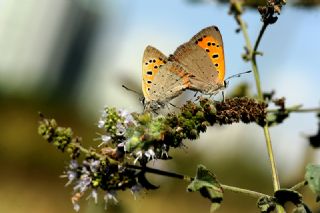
<point x="169" y="82"/>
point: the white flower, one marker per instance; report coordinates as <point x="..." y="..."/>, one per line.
<point x="164" y="151"/>
<point x="76" y="206"/>
<point x="105" y="139"/>
<point x="127" y="117"/>
<point x="120" y="129"/>
<point x="93" y="195"/>
<point x="110" y="196"/>
<point x="101" y="123"/>
<point x="150" y="154"/>
<point x="94" y="165"/>
<point x="83" y="184"/>
<point x="71" y="177"/>
<point x="135" y="190"/>
<point x="139" y="156"/>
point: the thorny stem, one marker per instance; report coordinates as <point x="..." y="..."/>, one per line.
<point x="299" y="185"/>
<point x="234" y="189"/>
<point x="252" y="58"/>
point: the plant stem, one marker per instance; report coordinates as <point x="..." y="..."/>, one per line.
<point x="299" y="185"/>
<point x="87" y="151"/>
<point x="252" y="57"/>
<point x="250" y="193"/>
<point x="275" y="178"/>
<point x="234" y="189"/>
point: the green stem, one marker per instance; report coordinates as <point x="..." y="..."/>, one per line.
<point x="299" y="185"/>
<point x="275" y="179"/>
<point x="252" y="57"/>
<point x="234" y="189"/>
<point x="247" y="192"/>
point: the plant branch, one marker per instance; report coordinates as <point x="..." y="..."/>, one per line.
<point x="252" y="57"/>
<point x="299" y="185"/>
<point x="234" y="189"/>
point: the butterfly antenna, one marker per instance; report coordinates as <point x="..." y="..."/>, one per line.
<point x="238" y="75"/>
<point x="131" y="90"/>
<point x="174" y="105"/>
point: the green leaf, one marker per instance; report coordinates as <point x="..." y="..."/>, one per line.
<point x="266" y="204"/>
<point x="207" y="184"/>
<point x="313" y="177"/>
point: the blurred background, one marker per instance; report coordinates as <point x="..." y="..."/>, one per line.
<point x="69" y="58"/>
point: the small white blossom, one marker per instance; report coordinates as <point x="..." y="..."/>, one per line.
<point x="71" y="177"/>
<point x="135" y="190"/>
<point x="93" y="195"/>
<point x="139" y="156"/>
<point x="127" y="117"/>
<point x="110" y="196"/>
<point x="150" y="154"/>
<point x="164" y="151"/>
<point x="104" y="113"/>
<point x="120" y="129"/>
<point x="76" y="206"/>
<point x="82" y="184"/>
<point x="101" y="123"/>
<point x="105" y="139"/>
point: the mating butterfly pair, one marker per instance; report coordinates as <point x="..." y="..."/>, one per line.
<point x="196" y="65"/>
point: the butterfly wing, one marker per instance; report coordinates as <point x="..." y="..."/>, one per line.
<point x="210" y="40"/>
<point x="169" y="82"/>
<point x="152" y="60"/>
<point x="203" y="58"/>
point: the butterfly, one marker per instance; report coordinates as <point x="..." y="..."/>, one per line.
<point x="203" y="58"/>
<point x="162" y="80"/>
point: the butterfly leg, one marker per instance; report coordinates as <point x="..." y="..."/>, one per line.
<point x="223" y="96"/>
<point x="174" y="105"/>
<point x="195" y="94"/>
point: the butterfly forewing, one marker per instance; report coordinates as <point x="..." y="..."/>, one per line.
<point x="152" y="60"/>
<point x="210" y="40"/>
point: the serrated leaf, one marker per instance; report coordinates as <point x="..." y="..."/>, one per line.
<point x="207" y="184"/>
<point x="313" y="177"/>
<point x="266" y="204"/>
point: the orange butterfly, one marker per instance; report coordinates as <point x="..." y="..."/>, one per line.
<point x="162" y="80"/>
<point x="203" y="58"/>
<point x="196" y="65"/>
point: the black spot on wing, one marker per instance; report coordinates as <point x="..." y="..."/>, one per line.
<point x="215" y="56"/>
<point x="149" y="72"/>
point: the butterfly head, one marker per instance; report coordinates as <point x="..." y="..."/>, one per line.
<point x="152" y="106"/>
